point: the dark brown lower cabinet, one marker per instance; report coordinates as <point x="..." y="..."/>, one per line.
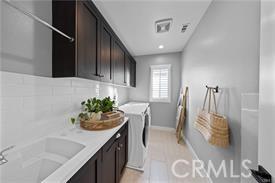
<point x="122" y="153"/>
<point x="90" y="172"/>
<point x="108" y="164"/>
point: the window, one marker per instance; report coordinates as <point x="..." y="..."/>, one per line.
<point x="160" y="89"/>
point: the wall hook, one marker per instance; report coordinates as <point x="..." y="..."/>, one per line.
<point x="215" y="89"/>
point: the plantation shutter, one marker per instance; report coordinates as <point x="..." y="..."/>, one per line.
<point x="160" y="83"/>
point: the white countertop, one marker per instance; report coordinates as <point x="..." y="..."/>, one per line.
<point x="93" y="141"/>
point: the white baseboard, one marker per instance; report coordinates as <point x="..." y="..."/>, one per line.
<point x="162" y="128"/>
<point x="197" y="158"/>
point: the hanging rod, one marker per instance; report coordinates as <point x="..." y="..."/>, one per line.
<point x="215" y="89"/>
<point x="39" y="20"/>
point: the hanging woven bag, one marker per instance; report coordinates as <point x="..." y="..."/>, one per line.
<point x="213" y="126"/>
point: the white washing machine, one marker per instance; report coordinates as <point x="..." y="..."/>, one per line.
<point x="139" y="115"/>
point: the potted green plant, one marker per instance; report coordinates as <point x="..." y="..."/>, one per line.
<point x="93" y="108"/>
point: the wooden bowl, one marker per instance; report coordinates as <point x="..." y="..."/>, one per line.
<point x="108" y="120"/>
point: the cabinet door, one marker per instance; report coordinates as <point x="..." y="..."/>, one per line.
<point x="90" y="172"/>
<point x="63" y="51"/>
<point x="118" y="58"/>
<point x="106" y="69"/>
<point x="133" y="73"/>
<point x="122" y="152"/>
<point x="88" y="28"/>
<point x="127" y="70"/>
<point x="109" y="162"/>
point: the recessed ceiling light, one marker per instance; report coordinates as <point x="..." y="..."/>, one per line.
<point x="161" y="46"/>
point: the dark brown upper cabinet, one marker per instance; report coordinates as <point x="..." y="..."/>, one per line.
<point x="96" y="53"/>
<point x="106" y="63"/>
<point x="118" y="59"/>
<point x="88" y="30"/>
<point x="132" y="73"/>
<point x="81" y="57"/>
<point x="127" y="65"/>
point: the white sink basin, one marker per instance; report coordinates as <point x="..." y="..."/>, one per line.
<point x="65" y="148"/>
<point x="37" y="161"/>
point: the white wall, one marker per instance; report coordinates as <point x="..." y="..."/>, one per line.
<point x="267" y="88"/>
<point x="163" y="114"/>
<point x="224" y="51"/>
<point x="26" y="44"/>
<point x="33" y="107"/>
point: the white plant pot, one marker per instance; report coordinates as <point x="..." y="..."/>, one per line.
<point x="96" y="116"/>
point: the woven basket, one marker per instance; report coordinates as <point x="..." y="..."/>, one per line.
<point x="211" y="125"/>
<point x="214" y="129"/>
<point x="108" y="120"/>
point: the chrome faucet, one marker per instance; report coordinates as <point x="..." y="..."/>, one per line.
<point x="3" y="159"/>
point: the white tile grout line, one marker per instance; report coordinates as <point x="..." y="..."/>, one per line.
<point x="197" y="158"/>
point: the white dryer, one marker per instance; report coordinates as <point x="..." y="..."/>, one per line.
<point x="139" y="115"/>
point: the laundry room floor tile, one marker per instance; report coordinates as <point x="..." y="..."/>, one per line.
<point x="163" y="151"/>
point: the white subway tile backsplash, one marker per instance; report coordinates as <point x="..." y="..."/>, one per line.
<point x="105" y="91"/>
<point x="85" y="91"/>
<point x="11" y="127"/>
<point x="10" y="135"/>
<point x="39" y="91"/>
<point x="11" y="103"/>
<point x="62" y="91"/>
<point x="61" y="82"/>
<point x="11" y="78"/>
<point x="36" y="114"/>
<point x="46" y="81"/>
<point x="25" y="90"/>
<point x="32" y="106"/>
<point x="62" y="109"/>
<point x="77" y="82"/>
<point x="14" y="90"/>
<point x="11" y="117"/>
<point x="61" y="100"/>
<point x="36" y="80"/>
<point x="37" y="102"/>
<point x="76" y="101"/>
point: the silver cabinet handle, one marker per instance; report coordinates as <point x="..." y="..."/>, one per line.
<point x="120" y="145"/>
<point x="118" y="148"/>
<point x="118" y="135"/>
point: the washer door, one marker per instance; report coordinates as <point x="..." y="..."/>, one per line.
<point x="145" y="130"/>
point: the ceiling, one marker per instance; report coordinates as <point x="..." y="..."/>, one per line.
<point x="134" y="22"/>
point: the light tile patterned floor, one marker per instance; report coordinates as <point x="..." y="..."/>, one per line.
<point x="163" y="151"/>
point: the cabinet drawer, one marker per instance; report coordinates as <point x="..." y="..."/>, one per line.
<point x="115" y="137"/>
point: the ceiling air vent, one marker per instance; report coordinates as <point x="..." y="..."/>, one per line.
<point x="163" y="25"/>
<point x="184" y="27"/>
